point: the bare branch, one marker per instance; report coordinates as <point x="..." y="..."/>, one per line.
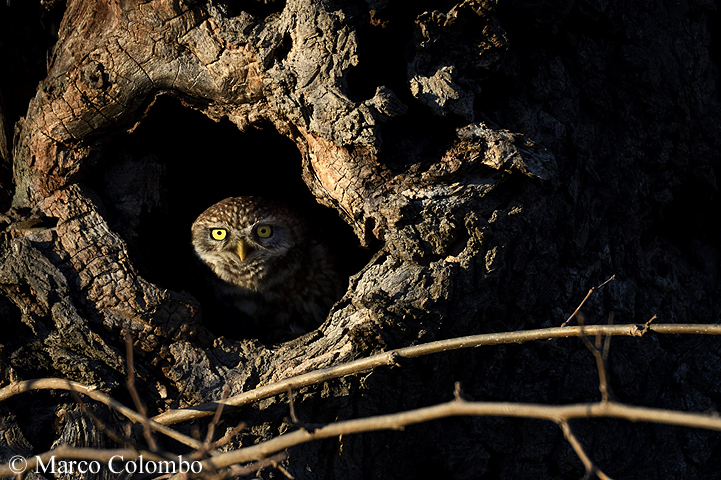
<point x="602" y="380"/>
<point x="398" y="421"/>
<point x="216" y="418"/>
<point x="584" y="300"/>
<point x="591" y="469"/>
<point x="600" y="361"/>
<point x="147" y="431"/>
<point x="229" y="435"/>
<point x="238" y="471"/>
<point x="390" y="358"/>
<point x="607" y="342"/>
<point x="457" y="407"/>
<point x="160" y="422"/>
<point x="63" y="384"/>
<point x="294" y="420"/>
<point x="291" y="407"/>
<point x="457" y="392"/>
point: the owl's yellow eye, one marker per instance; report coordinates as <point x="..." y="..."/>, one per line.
<point x="218" y="233"/>
<point x="264" y="231"/>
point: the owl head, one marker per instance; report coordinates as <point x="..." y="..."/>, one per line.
<point x="250" y="242"/>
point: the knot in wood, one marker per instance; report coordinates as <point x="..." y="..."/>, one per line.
<point x="94" y="75"/>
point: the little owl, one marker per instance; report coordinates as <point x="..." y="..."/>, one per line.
<point x="267" y="264"/>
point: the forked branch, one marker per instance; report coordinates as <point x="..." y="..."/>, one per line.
<point x="224" y="464"/>
<point x="391" y="357"/>
<point x="397" y="421"/>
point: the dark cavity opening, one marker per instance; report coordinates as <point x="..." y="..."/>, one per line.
<point x="155" y="181"/>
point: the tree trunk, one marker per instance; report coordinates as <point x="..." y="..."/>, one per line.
<point x="494" y="160"/>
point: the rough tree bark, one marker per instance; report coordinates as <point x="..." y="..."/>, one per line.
<point x="497" y="158"/>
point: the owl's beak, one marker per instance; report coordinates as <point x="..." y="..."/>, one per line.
<point x="242" y="250"/>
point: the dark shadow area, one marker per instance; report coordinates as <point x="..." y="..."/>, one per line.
<point x="417" y="138"/>
<point x="386" y="45"/>
<point x="383" y="51"/>
<point x="155" y="181"/>
<point x="689" y="222"/>
<point x="257" y="8"/>
<point x="28" y="32"/>
<point x="714" y="48"/>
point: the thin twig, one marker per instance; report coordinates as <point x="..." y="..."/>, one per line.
<point x="586" y="298"/>
<point x="221" y="442"/>
<point x="397" y="421"/>
<point x="291" y="407"/>
<point x="25" y="386"/>
<point x="209" y="446"/>
<point x="294" y="420"/>
<point x="391" y="357"/>
<point x="607" y="342"/>
<point x="284" y="471"/>
<point x="216" y="418"/>
<point x="457" y="392"/>
<point x="600" y="363"/>
<point x="160" y="422"/>
<point x="591" y="469"/>
<point x="147" y="431"/>
<point x="238" y="471"/>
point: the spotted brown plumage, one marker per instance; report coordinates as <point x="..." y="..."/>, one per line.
<point x="266" y="264"/>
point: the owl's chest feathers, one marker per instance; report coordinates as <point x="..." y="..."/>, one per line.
<point x="248" y="277"/>
<point x="257" y="276"/>
<point x="303" y="283"/>
<point x="272" y="279"/>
